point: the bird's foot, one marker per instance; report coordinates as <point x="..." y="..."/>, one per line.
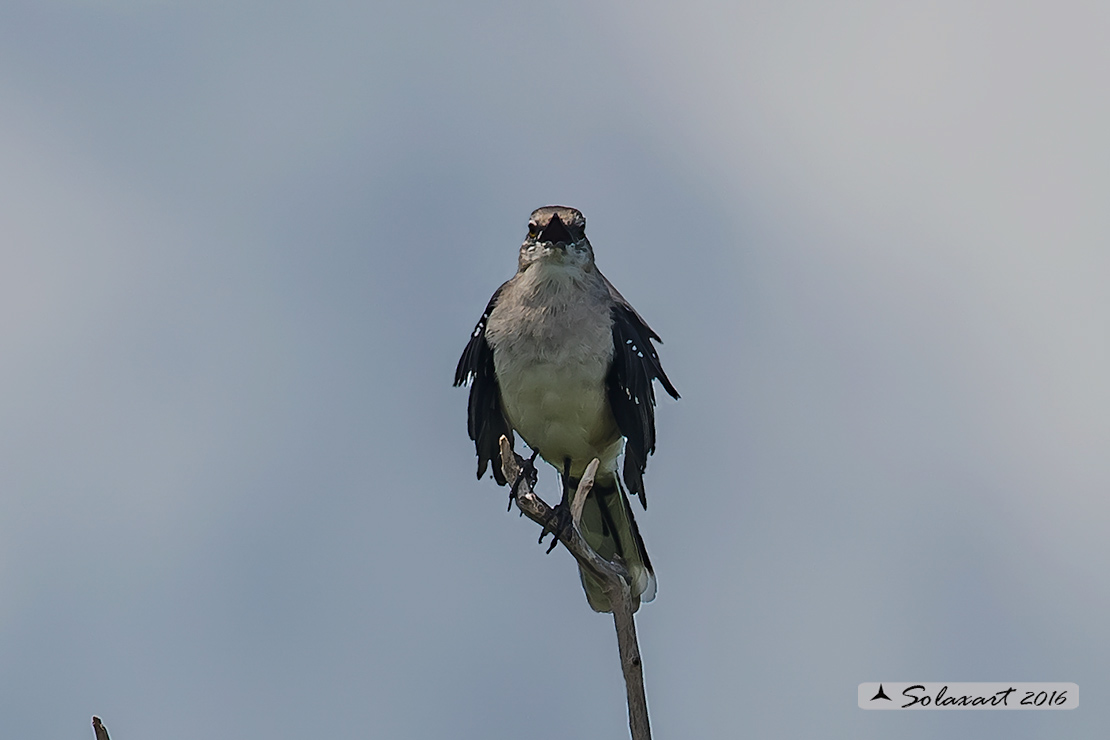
<point x="558" y="524"/>
<point x="527" y="472"/>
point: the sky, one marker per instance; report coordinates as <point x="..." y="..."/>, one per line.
<point x="245" y="243"/>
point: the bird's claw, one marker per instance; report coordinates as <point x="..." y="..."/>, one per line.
<point x="527" y="472"/>
<point x="557" y="525"/>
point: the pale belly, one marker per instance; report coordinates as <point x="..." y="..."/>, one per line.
<point x="563" y="412"/>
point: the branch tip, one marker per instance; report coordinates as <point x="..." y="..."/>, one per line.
<point x="584" y="487"/>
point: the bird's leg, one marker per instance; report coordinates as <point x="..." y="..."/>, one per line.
<point x="560" y="520"/>
<point x="527" y="472"/>
<point x="566" y="482"/>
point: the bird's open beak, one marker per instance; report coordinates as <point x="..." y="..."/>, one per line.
<point x="556" y="233"/>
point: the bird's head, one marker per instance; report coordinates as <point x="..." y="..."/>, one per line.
<point x="557" y="238"/>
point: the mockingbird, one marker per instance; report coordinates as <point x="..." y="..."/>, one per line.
<point x="562" y="359"/>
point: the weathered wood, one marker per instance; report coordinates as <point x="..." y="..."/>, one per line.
<point x="613" y="577"/>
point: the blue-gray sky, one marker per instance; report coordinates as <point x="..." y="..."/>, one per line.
<point x="245" y="243"/>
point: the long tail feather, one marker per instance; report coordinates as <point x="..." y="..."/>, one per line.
<point x="610" y="528"/>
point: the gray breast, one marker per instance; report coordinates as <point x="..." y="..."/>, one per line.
<point x="552" y="346"/>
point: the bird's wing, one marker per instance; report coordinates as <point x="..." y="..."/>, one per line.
<point x="485" y="420"/>
<point x="629" y="385"/>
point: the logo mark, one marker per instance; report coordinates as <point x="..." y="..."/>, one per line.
<point x="967" y="695"/>
<point x="881" y="695"/>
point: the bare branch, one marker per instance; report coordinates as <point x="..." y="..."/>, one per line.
<point x="584" y="487"/>
<point x="613" y="577"/>
<point x="99" y="729"/>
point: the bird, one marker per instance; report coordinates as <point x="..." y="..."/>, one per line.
<point x="560" y="358"/>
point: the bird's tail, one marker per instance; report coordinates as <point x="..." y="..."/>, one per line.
<point x="608" y="525"/>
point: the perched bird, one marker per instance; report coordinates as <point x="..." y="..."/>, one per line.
<point x="562" y="359"/>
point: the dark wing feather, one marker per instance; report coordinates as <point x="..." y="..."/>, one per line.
<point x="485" y="420"/>
<point x="631" y="394"/>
